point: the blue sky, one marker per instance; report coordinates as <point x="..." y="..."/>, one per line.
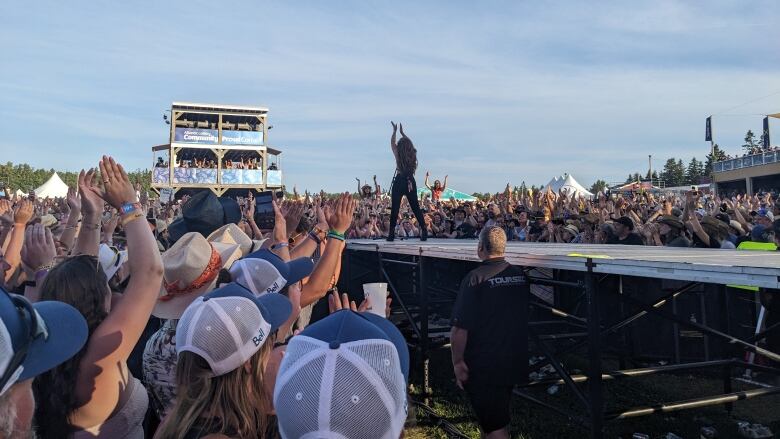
<point x="489" y="91"/>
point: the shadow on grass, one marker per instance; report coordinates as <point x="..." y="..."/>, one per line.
<point x="530" y="421"/>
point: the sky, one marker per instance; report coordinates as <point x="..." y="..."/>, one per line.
<point x="490" y="92"/>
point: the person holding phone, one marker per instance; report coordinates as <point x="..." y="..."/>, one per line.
<point x="404" y="184"/>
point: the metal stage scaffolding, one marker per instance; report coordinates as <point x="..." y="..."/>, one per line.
<point x="423" y="278"/>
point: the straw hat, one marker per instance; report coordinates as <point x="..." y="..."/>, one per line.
<point x="191" y="267"/>
<point x="231" y="233"/>
<point x="734" y="224"/>
<point x="571" y="228"/>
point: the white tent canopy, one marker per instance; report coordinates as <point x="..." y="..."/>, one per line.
<point x="53" y="188"/>
<point x="567" y="184"/>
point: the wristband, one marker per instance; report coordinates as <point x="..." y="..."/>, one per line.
<point x="314" y="236"/>
<point x="41" y="274"/>
<point x="129" y="207"/>
<point x="336" y="235"/>
<point x="279" y="245"/>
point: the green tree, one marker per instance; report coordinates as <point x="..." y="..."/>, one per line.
<point x="599" y="186"/>
<point x="673" y="173"/>
<point x="751" y="145"/>
<point x="26" y="178"/>
<point x="694" y="171"/>
<point x="716" y="155"/>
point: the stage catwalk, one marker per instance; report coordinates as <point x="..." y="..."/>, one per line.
<point x="761" y="269"/>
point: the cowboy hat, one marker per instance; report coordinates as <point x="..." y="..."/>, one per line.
<point x="191" y="267"/>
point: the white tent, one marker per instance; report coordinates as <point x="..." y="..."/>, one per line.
<point x="20" y="193"/>
<point x="567" y="184"/>
<point x="53" y="188"/>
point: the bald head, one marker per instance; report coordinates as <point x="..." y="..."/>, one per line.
<point x="492" y="242"/>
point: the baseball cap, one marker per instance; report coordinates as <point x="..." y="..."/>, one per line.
<point x="766" y="213"/>
<point x="723" y="217"/>
<point x="36" y="337"/>
<point x="111" y="259"/>
<point x="229" y="325"/>
<point x="760" y="232"/>
<point x="344" y="376"/>
<point x="265" y="272"/>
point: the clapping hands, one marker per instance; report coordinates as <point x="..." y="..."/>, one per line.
<point x="38" y="249"/>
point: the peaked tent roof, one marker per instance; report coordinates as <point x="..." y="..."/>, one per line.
<point x="53" y="188"/>
<point x="568" y="184"/>
<point x="447" y="194"/>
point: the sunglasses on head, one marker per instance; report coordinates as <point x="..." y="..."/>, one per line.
<point x="37" y="328"/>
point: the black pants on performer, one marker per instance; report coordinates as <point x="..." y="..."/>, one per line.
<point x="404" y="185"/>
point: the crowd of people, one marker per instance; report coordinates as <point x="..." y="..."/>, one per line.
<point x="755" y="150"/>
<point x="690" y="220"/>
<point x="204" y="162"/>
<point x="123" y="317"/>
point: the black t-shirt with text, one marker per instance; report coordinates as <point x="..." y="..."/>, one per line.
<point x="492" y="305"/>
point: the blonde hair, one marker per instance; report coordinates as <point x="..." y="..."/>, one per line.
<point x="235" y="403"/>
<point x="492" y="239"/>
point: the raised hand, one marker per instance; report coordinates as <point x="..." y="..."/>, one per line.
<point x="23" y="212"/>
<point x="109" y="226"/>
<point x="118" y="189"/>
<point x="73" y="201"/>
<point x="341" y="218"/>
<point x="6" y="211"/>
<point x="395" y="127"/>
<point x="250" y="210"/>
<point x="322" y="219"/>
<point x="401" y="129"/>
<point x="90" y="193"/>
<point x="336" y="303"/>
<point x="292" y="214"/>
<point x="39" y="249"/>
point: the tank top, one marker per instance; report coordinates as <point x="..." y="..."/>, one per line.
<point x="127" y="422"/>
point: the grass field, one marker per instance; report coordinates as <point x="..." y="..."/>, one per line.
<point x="532" y="421"/>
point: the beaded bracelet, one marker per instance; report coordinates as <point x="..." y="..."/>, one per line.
<point x="89" y="226"/>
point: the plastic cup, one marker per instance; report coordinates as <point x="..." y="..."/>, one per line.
<point x="376" y="293"/>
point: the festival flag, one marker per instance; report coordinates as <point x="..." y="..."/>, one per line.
<point x="708" y="130"/>
<point x="765" y="136"/>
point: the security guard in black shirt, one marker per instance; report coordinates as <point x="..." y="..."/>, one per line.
<point x="489" y="333"/>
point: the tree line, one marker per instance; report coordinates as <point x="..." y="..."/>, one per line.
<point x="26" y="178"/>
<point x="675" y="172"/>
